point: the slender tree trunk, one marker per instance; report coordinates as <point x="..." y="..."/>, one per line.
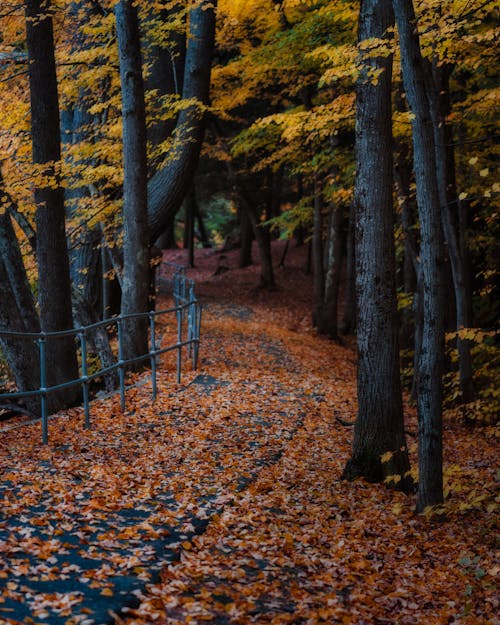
<point x="263" y="238"/>
<point x="136" y="269"/>
<point x="201" y="227"/>
<point x="430" y="365"/>
<point x="317" y="254"/>
<point x="448" y="197"/>
<point x="379" y="427"/>
<point x="402" y="174"/>
<point x="246" y="237"/>
<point x="349" y="316"/>
<point x="54" y="291"/>
<point x="190" y="204"/>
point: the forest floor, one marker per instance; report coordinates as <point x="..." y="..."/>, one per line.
<point x="223" y="502"/>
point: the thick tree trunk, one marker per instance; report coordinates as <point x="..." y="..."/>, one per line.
<point x="136" y="269"/>
<point x="167" y="188"/>
<point x="379" y="426"/>
<point x="54" y="291"/>
<point x="430" y="366"/>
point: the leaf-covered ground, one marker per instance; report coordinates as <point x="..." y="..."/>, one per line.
<point x="223" y="503"/>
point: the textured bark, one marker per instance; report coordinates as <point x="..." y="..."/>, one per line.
<point x="430" y="365"/>
<point x="379" y="425"/>
<point x="54" y="291"/>
<point x="169" y="185"/>
<point x="136" y="269"/>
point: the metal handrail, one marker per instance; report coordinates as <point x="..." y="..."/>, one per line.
<point x="186" y="305"/>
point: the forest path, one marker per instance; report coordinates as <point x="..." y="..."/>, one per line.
<point x="229" y="485"/>
<point x="89" y="519"/>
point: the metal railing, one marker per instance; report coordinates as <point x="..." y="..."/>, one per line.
<point x="187" y="311"/>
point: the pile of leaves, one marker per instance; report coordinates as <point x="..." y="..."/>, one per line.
<point x="223" y="502"/>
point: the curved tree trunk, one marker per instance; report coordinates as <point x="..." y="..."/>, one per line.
<point x="430" y="365"/>
<point x="166" y="74"/>
<point x="168" y="187"/>
<point x="379" y="426"/>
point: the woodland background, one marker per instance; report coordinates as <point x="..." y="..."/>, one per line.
<point x="361" y="130"/>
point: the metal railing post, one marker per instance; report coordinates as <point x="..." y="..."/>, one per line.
<point x="121" y="369"/>
<point x="84" y="378"/>
<point x="179" y="344"/>
<point x="43" y="387"/>
<point x="198" y="332"/>
<point x="153" y="354"/>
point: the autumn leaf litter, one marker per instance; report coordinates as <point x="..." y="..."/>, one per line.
<point x="222" y="502"/>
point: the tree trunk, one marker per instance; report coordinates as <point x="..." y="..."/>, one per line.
<point x="448" y="197"/>
<point x="136" y="268"/>
<point x="402" y="175"/>
<point x="167" y="188"/>
<point x="430" y="365"/>
<point x="379" y="427"/>
<point x="17" y="314"/>
<point x="190" y="207"/>
<point x="349" y="316"/>
<point x="246" y="237"/>
<point x="54" y="291"/>
<point x="317" y="254"/>
<point x="166" y="74"/>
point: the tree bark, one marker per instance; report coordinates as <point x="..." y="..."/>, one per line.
<point x="167" y="188"/>
<point x="246" y="237"/>
<point x="166" y="75"/>
<point x="52" y="256"/>
<point x="349" y="315"/>
<point x="379" y="427"/>
<point x="430" y="365"/>
<point x="448" y="197"/>
<point x="136" y="269"/>
<point x="318" y="254"/>
<point x="17" y="314"/>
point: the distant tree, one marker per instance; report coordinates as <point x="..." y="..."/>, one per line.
<point x="379" y="427"/>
